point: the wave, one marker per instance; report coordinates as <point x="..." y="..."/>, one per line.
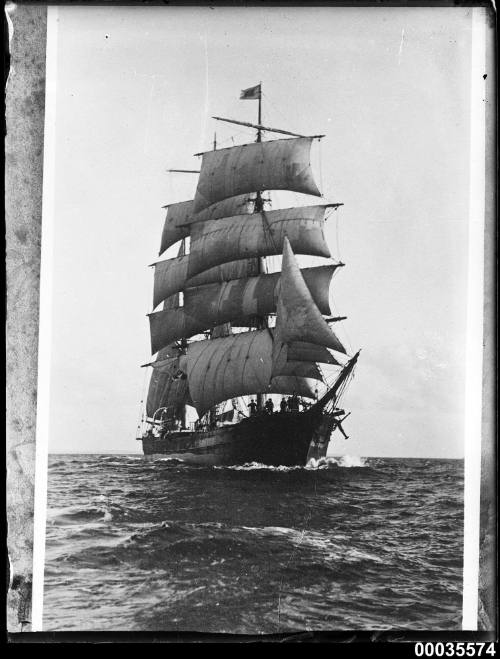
<point x="196" y="547"/>
<point x="59" y="463"/>
<point x="166" y="545"/>
<point x="258" y="466"/>
<point x="125" y="456"/>
<point x="78" y="514"/>
<point x="351" y="461"/>
<point x="347" y="461"/>
<point x="171" y="460"/>
<point x="363" y="543"/>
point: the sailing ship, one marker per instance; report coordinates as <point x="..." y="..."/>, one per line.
<point x="231" y="335"/>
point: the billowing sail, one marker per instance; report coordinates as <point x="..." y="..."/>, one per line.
<point x="169" y="325"/>
<point x="168" y="386"/>
<point x="170" y="278"/>
<point x="256" y="296"/>
<point x="171" y="275"/>
<point x="274" y="165"/>
<point x="173" y="229"/>
<point x="181" y="215"/>
<point x="237" y="365"/>
<point x="168" y="383"/>
<point x="236" y="301"/>
<point x="239" y="205"/>
<point x="310" y="352"/>
<point x="260" y="234"/>
<point x="166" y="357"/>
<point x="298" y="318"/>
<point x="226" y="272"/>
<point x="302" y="370"/>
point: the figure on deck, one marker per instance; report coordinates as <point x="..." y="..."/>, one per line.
<point x="269" y="406"/>
<point x="253" y="407"/>
<point x="283" y="404"/>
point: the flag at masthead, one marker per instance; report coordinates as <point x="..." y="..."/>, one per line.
<point x="251" y="93"/>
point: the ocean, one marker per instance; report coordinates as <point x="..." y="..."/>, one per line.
<point x="344" y="544"/>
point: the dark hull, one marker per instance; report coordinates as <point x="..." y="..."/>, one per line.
<point x="285" y="438"/>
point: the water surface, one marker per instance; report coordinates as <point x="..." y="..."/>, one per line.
<point x="343" y="544"/>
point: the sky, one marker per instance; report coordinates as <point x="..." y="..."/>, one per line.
<point x="390" y="89"/>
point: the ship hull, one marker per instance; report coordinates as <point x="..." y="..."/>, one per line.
<point x="284" y="438"/>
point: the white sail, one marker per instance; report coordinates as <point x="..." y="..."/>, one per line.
<point x="236" y="301"/>
<point x="181" y="215"/>
<point x="225" y="272"/>
<point x="310" y="352"/>
<point x="168" y="386"/>
<point x="240" y="364"/>
<point x="238" y="205"/>
<point x="274" y="165"/>
<point x="169" y="278"/>
<point x="257" y="235"/>
<point x="246" y="296"/>
<point x="298" y="318"/>
<point x="302" y="370"/>
<point x="173" y="229"/>
<point x="242" y="292"/>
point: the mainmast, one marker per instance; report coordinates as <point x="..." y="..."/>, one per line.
<point x="258" y="207"/>
<point x="259" y="203"/>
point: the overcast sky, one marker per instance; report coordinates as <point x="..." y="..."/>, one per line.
<point x="136" y="88"/>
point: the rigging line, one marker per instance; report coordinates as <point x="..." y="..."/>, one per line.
<point x="321" y="372"/>
<point x="322" y="189"/>
<point x="274" y="107"/>
<point x="233" y="135"/>
<point x="141" y="404"/>
<point x="337" y="225"/>
<point x="268" y="234"/>
<point x="336" y="312"/>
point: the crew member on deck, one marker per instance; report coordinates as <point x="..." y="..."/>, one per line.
<point x="253" y="407"/>
<point x="269" y="406"/>
<point x="294" y="403"/>
<point x="283" y="404"/>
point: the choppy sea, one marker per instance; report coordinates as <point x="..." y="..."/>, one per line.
<point x="343" y="544"/>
